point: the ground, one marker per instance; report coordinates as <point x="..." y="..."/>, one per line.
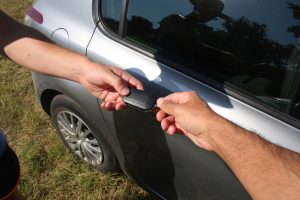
<point x="49" y="171"/>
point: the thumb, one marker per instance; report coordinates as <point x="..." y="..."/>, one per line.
<point x="166" y="106"/>
<point x="117" y="83"/>
<point x="121" y="87"/>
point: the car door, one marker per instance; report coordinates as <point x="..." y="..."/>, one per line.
<point x="231" y="56"/>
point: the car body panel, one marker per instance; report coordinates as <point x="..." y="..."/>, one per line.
<point x="74" y="90"/>
<point x="159" y="161"/>
<point x="104" y="50"/>
<point x="61" y="37"/>
<point x="171" y="167"/>
<point x="79" y="23"/>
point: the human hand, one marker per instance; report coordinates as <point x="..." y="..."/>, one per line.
<point x="188" y="113"/>
<point x="109" y="84"/>
<point x="24" y="45"/>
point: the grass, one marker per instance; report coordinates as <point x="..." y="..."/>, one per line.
<point x="48" y="170"/>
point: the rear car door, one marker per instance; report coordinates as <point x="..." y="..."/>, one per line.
<point x="241" y="57"/>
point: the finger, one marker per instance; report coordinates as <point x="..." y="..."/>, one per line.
<point x="172" y="129"/>
<point x="112" y="96"/>
<point x="120" y="106"/>
<point x="179" y="97"/>
<point x="174" y="98"/>
<point x="109" y="105"/>
<point x="160" y="115"/>
<point x="114" y="80"/>
<point x="166" y="122"/>
<point x="120" y="101"/>
<point x="121" y="87"/>
<point x="113" y="100"/>
<point x="135" y="83"/>
<point x="105" y="105"/>
<point x="128" y="78"/>
<point x="167" y="106"/>
<point x="101" y="95"/>
<point x="108" y="109"/>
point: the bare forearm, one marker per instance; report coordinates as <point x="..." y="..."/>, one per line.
<point x="46" y="58"/>
<point x="267" y="171"/>
<point x="34" y="51"/>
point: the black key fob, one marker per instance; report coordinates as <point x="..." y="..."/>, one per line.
<point x="141" y="100"/>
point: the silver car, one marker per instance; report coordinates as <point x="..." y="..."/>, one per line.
<point x="242" y="57"/>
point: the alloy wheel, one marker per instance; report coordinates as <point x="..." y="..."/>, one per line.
<point x="80" y="138"/>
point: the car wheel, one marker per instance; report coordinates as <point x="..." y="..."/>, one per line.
<point x="81" y="135"/>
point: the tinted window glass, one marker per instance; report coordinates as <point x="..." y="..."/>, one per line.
<point x="111" y="12"/>
<point x="251" y="45"/>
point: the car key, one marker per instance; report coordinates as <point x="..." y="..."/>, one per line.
<point x="141" y="100"/>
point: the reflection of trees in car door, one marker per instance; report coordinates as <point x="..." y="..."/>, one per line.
<point x="241" y="53"/>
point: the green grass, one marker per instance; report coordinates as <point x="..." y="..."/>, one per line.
<point x="48" y="170"/>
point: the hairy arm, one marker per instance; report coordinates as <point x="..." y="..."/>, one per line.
<point x="267" y="171"/>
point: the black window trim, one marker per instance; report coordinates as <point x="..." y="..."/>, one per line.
<point x="224" y="88"/>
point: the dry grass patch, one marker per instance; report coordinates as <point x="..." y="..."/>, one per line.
<point x="49" y="171"/>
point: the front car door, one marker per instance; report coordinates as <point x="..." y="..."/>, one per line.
<point x="242" y="57"/>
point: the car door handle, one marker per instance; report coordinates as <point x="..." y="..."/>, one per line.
<point x="140" y="100"/>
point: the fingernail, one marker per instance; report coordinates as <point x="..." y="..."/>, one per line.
<point x="160" y="101"/>
<point x="125" y="91"/>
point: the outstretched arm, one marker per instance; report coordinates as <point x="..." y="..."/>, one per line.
<point x="266" y="171"/>
<point x="34" y="51"/>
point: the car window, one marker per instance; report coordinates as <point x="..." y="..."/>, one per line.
<point x="250" y="45"/>
<point x="111" y="14"/>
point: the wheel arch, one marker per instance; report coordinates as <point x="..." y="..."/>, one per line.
<point x="46" y="98"/>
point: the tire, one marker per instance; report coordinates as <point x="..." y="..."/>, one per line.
<point x="81" y="136"/>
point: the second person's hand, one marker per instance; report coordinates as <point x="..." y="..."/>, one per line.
<point x="186" y="112"/>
